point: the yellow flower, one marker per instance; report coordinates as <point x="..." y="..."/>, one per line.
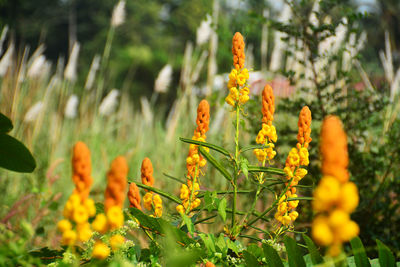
<point x="148" y="200"/>
<point x="69" y="237"/>
<point x="286" y="220"/>
<point x="293" y="215"/>
<point x="115" y="217"/>
<point x="180" y="209"/>
<point x="64" y="225"/>
<point x="348" y="231"/>
<point x="116" y="241"/>
<point x="229" y="100"/>
<point x="326" y="194"/>
<point x="348" y="197"/>
<point x="84" y="232"/>
<point x="234" y="93"/>
<point x="184" y="192"/>
<point x="294" y="158"/>
<point x="80" y="214"/>
<point x="90" y="207"/>
<point x="338" y="218"/>
<point x="321" y="231"/>
<point x="100" y="223"/>
<point x="100" y="250"/>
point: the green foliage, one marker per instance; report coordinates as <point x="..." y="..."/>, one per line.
<point x="15" y="156"/>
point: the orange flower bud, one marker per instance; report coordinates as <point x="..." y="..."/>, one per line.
<point x="238" y="51"/>
<point x="303" y="137"/>
<point x="81" y="168"/>
<point x="268" y="105"/>
<point x="203" y="117"/>
<point x="116" y="183"/>
<point x="147" y="172"/>
<point x="334" y="149"/>
<point x="134" y="196"/>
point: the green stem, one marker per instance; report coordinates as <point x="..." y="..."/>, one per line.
<point x="235" y="176"/>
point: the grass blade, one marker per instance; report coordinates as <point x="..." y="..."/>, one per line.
<point x="160" y="192"/>
<point x="360" y="256"/>
<point x="272" y="256"/>
<point x="215" y="163"/>
<point x="211" y="146"/>
<point x="316" y="258"/>
<point x="295" y="258"/>
<point x="386" y="257"/>
<point x="270" y="170"/>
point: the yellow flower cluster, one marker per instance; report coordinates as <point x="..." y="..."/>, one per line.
<point x="298" y="156"/>
<point x="335" y="197"/>
<point x="150" y="200"/>
<point x="195" y="161"/>
<point x="113" y="219"/>
<point x="188" y="197"/>
<point x="267" y="135"/>
<point x="79" y="208"/>
<point x="238" y="90"/>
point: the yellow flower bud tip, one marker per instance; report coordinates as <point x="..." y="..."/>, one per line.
<point x="100" y="250"/>
<point x="116" y="242"/>
<point x="321" y="231"/>
<point x="90" y="207"/>
<point x="180" y="209"/>
<point x="80" y="214"/>
<point x="69" y="237"/>
<point x="286" y="220"/>
<point x="338" y="218"/>
<point x="64" y="225"/>
<point x="100" y="223"/>
<point x="84" y="233"/>
<point x="115" y="217"/>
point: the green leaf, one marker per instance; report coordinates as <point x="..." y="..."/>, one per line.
<point x="208" y="242"/>
<point x="160" y="192"/>
<point x="161" y="227"/>
<point x="251" y="147"/>
<point x="360" y="256"/>
<point x="250" y="259"/>
<point x="189" y="223"/>
<point x="299" y="198"/>
<point x="316" y="258"/>
<point x="174" y="178"/>
<point x="47" y="255"/>
<point x="295" y="257"/>
<point x="272" y="256"/>
<point x="244" y="167"/>
<point x="14" y="155"/>
<point x="210" y="200"/>
<point x="222" y="209"/>
<point x="211" y="146"/>
<point x="215" y="163"/>
<point x="386" y="257"/>
<point x="253" y="168"/>
<point x="5" y="124"/>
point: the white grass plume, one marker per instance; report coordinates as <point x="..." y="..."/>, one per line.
<point x="70" y="69"/>
<point x="71" y="109"/>
<point x="109" y="103"/>
<point x="204" y="31"/>
<point x="33" y="112"/>
<point x="92" y="72"/>
<point x="118" y="15"/>
<point x="163" y="80"/>
<point x="5" y="61"/>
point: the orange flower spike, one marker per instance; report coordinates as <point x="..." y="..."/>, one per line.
<point x="82" y="168"/>
<point x="147" y="172"/>
<point x="238" y="51"/>
<point x="203" y="117"/>
<point x="117" y="183"/>
<point x="334" y="149"/>
<point x="268" y="105"/>
<point x="134" y="196"/>
<point x="303" y="137"/>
